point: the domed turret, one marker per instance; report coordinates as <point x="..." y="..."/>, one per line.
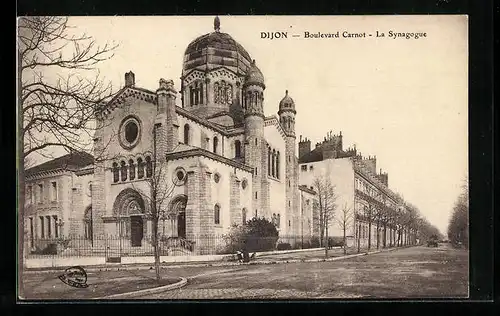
<point x="254" y="76"/>
<point x="286" y="104"/>
<point x="287" y="113"/>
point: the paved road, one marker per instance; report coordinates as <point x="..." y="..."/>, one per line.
<point x="417" y="272"/>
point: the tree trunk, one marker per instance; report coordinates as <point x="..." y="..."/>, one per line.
<point x="20" y="180"/>
<point x="359" y="237"/>
<point x="369" y="233"/>
<point x="385" y="235"/>
<point x="345" y="240"/>
<point x="156" y="249"/>
<point x="326" y="239"/>
<point x="378" y="233"/>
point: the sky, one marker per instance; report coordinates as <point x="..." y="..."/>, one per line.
<point x="402" y="100"/>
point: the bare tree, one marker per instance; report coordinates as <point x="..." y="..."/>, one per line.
<point x="56" y="102"/>
<point x="326" y="206"/>
<point x="345" y="220"/>
<point x="157" y="194"/>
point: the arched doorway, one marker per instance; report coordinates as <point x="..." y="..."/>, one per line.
<point x="129" y="211"/>
<point x="177" y="212"/>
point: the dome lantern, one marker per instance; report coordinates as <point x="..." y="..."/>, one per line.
<point x="217" y="24"/>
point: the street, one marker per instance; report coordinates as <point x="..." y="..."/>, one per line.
<point x="417" y="272"/>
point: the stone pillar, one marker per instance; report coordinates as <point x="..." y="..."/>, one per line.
<point x="99" y="188"/>
<point x="206" y="213"/>
<point x="234" y="200"/>
<point x="192" y="210"/>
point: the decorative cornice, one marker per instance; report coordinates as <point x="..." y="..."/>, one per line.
<point x="47" y="173"/>
<point x="273" y="120"/>
<point x="208" y="154"/>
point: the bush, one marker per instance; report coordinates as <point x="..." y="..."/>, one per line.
<point x="258" y="234"/>
<point x="315" y="242"/>
<point x="283" y="246"/>
<point x="335" y="241"/>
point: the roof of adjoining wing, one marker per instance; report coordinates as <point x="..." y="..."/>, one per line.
<point x="71" y="161"/>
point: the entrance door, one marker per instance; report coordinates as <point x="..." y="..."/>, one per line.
<point x="181" y="225"/>
<point x="136" y="230"/>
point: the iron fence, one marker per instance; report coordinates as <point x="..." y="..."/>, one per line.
<point x="116" y="246"/>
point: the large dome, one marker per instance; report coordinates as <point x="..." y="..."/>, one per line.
<point x="214" y="50"/>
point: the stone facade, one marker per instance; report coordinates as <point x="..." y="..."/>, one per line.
<point x="221" y="159"/>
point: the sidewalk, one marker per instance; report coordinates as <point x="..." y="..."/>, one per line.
<point x="275" y="257"/>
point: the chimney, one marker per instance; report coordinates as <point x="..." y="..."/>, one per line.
<point x="304" y="147"/>
<point x="129" y="79"/>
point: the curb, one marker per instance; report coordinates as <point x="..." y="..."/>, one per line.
<point x="217" y="264"/>
<point x="168" y="287"/>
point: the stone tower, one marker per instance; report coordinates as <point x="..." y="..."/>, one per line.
<point x="255" y="146"/>
<point x="166" y="122"/>
<point x="287" y="114"/>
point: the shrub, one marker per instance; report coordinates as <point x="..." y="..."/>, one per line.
<point x="335" y="241"/>
<point x="283" y="246"/>
<point x="258" y="234"/>
<point x="315" y="242"/>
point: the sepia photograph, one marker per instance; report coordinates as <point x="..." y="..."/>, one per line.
<point x="243" y="157"/>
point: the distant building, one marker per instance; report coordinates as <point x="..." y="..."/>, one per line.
<point x="358" y="186"/>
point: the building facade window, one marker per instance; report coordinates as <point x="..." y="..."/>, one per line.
<point x="237" y="149"/>
<point x="32" y="233"/>
<point x="30" y="194"/>
<point x="49" y="230"/>
<point x="42" y="227"/>
<point x="273" y="163"/>
<point x="131" y="169"/>
<point x="149" y="167"/>
<point x="215" y="144"/>
<point x="123" y="171"/>
<point x="278" y="165"/>
<point x="223" y="93"/>
<point x="54" y="191"/>
<point x="217" y="214"/>
<point x="303" y="167"/>
<point x="186" y="134"/>
<point x="140" y="168"/>
<point x="116" y="176"/>
<point x="40" y="193"/>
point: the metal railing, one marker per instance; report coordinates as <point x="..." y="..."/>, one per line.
<point x="116" y="246"/>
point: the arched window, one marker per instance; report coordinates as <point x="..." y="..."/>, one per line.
<point x="186" y="134"/>
<point x="216" y="143"/>
<point x="244" y="216"/>
<point x="87" y="223"/>
<point x="217" y="214"/>
<point x="116" y="172"/>
<point x="278" y="165"/>
<point x="196" y="94"/>
<point x="200" y="91"/>
<point x="191" y="96"/>
<point x="269" y="160"/>
<point x="149" y="167"/>
<point x="140" y="168"/>
<point x="123" y="171"/>
<point x="237" y="149"/>
<point x="273" y="172"/>
<point x="131" y="169"/>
